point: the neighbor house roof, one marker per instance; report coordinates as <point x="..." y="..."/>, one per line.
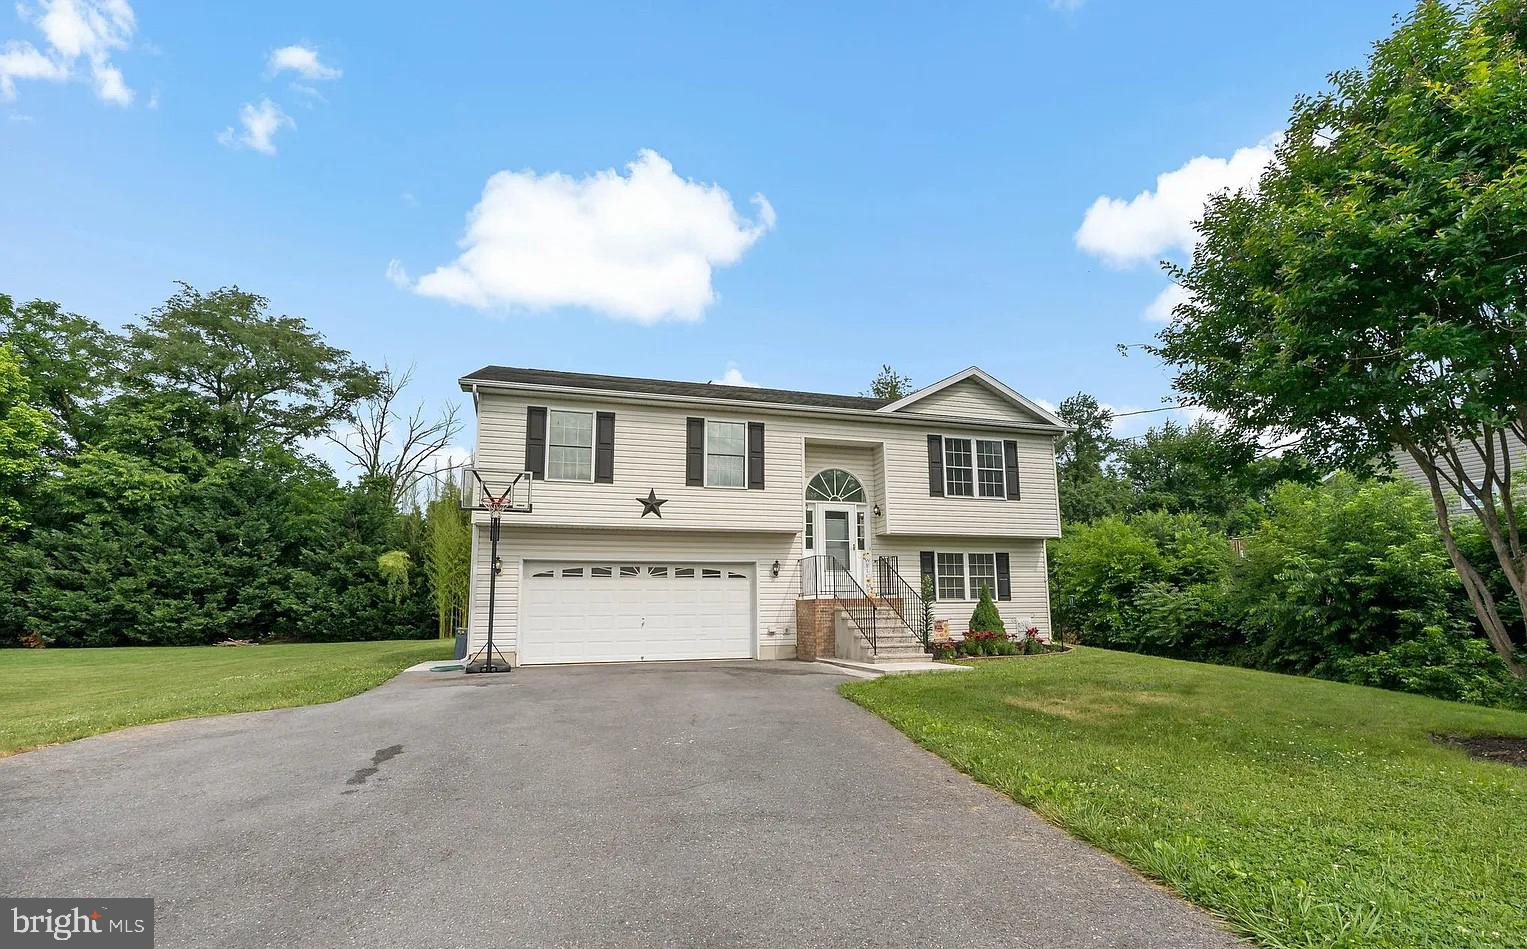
<point x="509" y="375"/>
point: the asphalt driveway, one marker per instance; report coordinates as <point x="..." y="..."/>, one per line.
<point x="715" y="804"/>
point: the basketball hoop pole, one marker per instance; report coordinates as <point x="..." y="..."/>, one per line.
<point x="495" y="513"/>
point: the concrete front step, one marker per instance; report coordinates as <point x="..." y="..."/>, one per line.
<point x="882" y="643"/>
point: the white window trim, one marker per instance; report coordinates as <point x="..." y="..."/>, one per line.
<point x="972" y="591"/>
<point x="593" y="445"/>
<point x="971" y="595"/>
<point x="975" y="468"/>
<point x="747" y="472"/>
<point x="938" y="576"/>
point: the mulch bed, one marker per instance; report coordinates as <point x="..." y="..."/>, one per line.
<point x="1057" y="652"/>
<point x="1499" y="749"/>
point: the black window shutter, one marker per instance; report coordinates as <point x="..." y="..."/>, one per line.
<point x="694" y="452"/>
<point x="604" y="448"/>
<point x="935" y="466"/>
<point x="535" y="442"/>
<point x="1010" y="456"/>
<point x="756" y="455"/>
<point x="1004" y="577"/>
<point x="925" y="561"/>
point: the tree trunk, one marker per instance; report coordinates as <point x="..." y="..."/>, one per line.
<point x="1473" y="583"/>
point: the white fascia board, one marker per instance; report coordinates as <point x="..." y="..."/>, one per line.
<point x="774" y="408"/>
<point x="985" y="378"/>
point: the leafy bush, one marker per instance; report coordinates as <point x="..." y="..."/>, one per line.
<point x="1440" y="664"/>
<point x="930" y="596"/>
<point x="985" y="617"/>
<point x="1347" y="579"/>
<point x="1097" y="570"/>
<point x="1345" y="569"/>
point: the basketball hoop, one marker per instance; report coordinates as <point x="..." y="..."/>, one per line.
<point x="514" y="498"/>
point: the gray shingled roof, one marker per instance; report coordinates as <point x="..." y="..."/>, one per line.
<point x="703" y="390"/>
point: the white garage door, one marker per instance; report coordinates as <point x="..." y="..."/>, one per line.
<point x="593" y="611"/>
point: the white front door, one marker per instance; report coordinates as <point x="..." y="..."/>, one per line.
<point x="843" y="538"/>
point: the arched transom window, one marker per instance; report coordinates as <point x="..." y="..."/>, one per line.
<point x="835" y="484"/>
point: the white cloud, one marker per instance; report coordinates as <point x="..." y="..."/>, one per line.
<point x="1149" y="225"/>
<point x="639" y="246"/>
<point x="75" y="30"/>
<point x="23" y="61"/>
<point x="110" y="85"/>
<point x="1160" y="310"/>
<point x="308" y="94"/>
<point x="1066" y="6"/>
<point x="302" y="60"/>
<point x="733" y="377"/>
<point x="396" y="274"/>
<point x="260" y="124"/>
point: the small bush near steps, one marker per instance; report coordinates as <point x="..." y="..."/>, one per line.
<point x="985" y="618"/>
<point x="983" y="644"/>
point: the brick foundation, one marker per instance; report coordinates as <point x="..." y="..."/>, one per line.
<point x="813" y="629"/>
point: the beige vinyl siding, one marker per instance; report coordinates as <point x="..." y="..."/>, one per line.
<point x="1474" y="464"/>
<point x="911" y="510"/>
<point x="649" y="454"/>
<point x="776" y="596"/>
<point x="775" y="623"/>
<point x="861" y="461"/>
<point x="1026" y="569"/>
<point x="971" y="398"/>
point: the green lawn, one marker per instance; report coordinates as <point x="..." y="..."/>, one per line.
<point x="54" y="695"/>
<point x="1306" y="813"/>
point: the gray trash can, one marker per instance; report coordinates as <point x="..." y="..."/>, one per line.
<point x="461" y="644"/>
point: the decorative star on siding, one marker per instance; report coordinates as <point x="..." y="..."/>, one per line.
<point x="651" y="504"/>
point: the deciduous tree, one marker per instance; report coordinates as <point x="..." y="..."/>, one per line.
<point x="1371" y="293"/>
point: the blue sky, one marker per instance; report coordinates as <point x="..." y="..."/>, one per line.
<point x="925" y="170"/>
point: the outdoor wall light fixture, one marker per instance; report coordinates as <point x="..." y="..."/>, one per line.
<point x="877" y="510"/>
<point x="774" y="570"/>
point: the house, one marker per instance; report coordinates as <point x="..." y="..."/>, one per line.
<point x="677" y="520"/>
<point x="1512" y="457"/>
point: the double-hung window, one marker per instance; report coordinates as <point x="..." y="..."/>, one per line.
<point x="959" y="474"/>
<point x="569" y="446"/>
<point x="974" y="468"/>
<point x="991" y="472"/>
<point x="726" y="454"/>
<point x="951" y="576"/>
<point x="983" y="573"/>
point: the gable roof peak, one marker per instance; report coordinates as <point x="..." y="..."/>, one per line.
<point x="979" y="375"/>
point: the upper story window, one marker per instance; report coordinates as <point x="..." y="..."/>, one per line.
<point x="569" y="446"/>
<point x="726" y="454"/>
<point x="974" y="468"/>
<point x="835" y="484"/>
